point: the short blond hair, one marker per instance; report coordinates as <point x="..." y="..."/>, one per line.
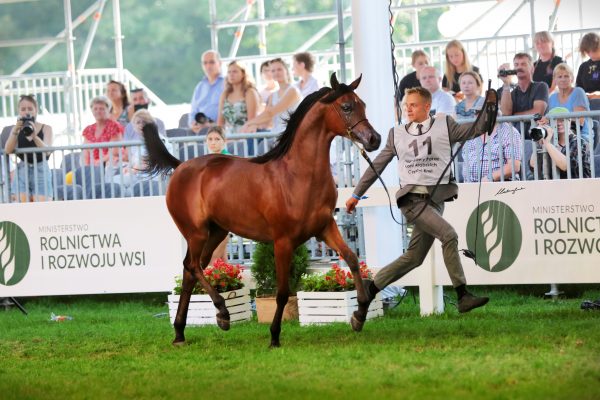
<point x="563" y="67"/>
<point x="421" y="91"/>
<point x="145" y="116"/>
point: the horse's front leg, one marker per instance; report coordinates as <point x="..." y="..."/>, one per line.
<point x="283" y="257"/>
<point x="332" y="237"/>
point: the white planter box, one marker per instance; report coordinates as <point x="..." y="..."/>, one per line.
<point x="203" y="312"/>
<point x="326" y="307"/>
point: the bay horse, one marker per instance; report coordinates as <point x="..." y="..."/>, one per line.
<point x="285" y="196"/>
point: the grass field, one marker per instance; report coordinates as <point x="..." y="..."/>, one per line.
<point x="517" y="347"/>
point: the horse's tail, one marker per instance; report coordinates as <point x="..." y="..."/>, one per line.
<point x="158" y="159"/>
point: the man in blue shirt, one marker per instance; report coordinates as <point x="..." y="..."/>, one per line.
<point x="206" y="95"/>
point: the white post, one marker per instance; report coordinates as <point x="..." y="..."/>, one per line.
<point x="118" y="39"/>
<point x="372" y="58"/>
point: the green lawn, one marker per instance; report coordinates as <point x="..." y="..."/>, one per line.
<point x="517" y="347"/>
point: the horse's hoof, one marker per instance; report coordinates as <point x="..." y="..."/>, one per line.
<point x="356" y="323"/>
<point x="223" y="323"/>
<point x="275" y="345"/>
<point x="178" y="343"/>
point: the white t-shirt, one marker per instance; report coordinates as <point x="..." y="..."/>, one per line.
<point x="443" y="103"/>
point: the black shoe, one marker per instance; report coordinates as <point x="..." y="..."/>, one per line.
<point x="469" y="302"/>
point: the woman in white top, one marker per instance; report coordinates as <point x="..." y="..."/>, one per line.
<point x="269" y="83"/>
<point x="280" y="104"/>
<point x="303" y="67"/>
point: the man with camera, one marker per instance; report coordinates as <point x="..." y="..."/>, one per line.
<point x="555" y="151"/>
<point x="139" y="101"/>
<point x="528" y="97"/>
<point x="33" y="180"/>
<point x="205" y="100"/>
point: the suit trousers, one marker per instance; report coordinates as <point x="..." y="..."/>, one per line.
<point x="428" y="226"/>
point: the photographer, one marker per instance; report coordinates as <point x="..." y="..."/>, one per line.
<point x="528" y="97"/>
<point x="543" y="136"/>
<point x="33" y="175"/>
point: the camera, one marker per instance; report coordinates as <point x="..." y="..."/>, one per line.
<point x="28" y="125"/>
<point x="538" y="133"/>
<point x="201" y="118"/>
<point x="507" y="72"/>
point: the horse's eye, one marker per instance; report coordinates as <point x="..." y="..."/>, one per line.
<point x="346" y="107"/>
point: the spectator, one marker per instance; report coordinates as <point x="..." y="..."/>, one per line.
<point x="441" y="102"/>
<point x="492" y="157"/>
<point x="470" y="86"/>
<point x="281" y="103"/>
<point x="103" y="130"/>
<point x="419" y="60"/>
<point x="140" y="101"/>
<point x="216" y="141"/>
<point x="588" y="76"/>
<point x="528" y="97"/>
<point x="117" y="94"/>
<point x="302" y="67"/>
<point x="547" y="58"/>
<point x="557" y="152"/>
<point x="131" y="172"/>
<point x="208" y="91"/>
<point x="457" y="62"/>
<point x="239" y="101"/>
<point x="569" y="97"/>
<point x="33" y="180"/>
<point x="270" y="85"/>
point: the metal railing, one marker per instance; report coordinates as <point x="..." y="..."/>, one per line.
<point x="95" y="183"/>
<point x="490" y="52"/>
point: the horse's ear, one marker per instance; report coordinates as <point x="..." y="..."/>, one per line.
<point x="334" y="82"/>
<point x="355" y="84"/>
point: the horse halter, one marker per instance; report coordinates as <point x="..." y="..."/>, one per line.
<point x="349" y="125"/>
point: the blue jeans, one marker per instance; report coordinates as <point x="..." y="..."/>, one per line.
<point x="32" y="179"/>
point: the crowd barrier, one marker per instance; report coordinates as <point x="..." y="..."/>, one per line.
<point x="92" y="185"/>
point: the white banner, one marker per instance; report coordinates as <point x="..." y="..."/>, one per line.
<point x="528" y="232"/>
<point x="87" y="247"/>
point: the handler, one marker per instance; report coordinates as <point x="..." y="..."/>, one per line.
<point x="423" y="148"/>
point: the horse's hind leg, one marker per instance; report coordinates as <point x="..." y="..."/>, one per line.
<point x="184" y="300"/>
<point x="216" y="236"/>
<point x="331" y="235"/>
<point x="283" y="257"/>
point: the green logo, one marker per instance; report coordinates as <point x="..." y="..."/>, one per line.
<point x="499" y="236"/>
<point x="14" y="254"/>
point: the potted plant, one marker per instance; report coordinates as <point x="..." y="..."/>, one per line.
<point x="263" y="272"/>
<point x="332" y="297"/>
<point x="227" y="279"/>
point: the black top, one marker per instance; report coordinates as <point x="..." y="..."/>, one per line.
<point x="588" y="76"/>
<point x="23" y="142"/>
<point x="544" y="69"/>
<point x="456" y="86"/>
<point x="409" y="81"/>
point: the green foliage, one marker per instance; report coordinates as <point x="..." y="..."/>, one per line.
<point x="263" y="268"/>
<point x="163" y="40"/>
<point x="336" y="279"/>
<point x="222" y="276"/>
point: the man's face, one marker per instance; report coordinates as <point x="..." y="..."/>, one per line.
<point x="523" y="67"/>
<point x="417" y="110"/>
<point x="211" y="65"/>
<point x="429" y="79"/>
<point x="138" y="98"/>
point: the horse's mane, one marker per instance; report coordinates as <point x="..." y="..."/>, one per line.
<point x="284" y="141"/>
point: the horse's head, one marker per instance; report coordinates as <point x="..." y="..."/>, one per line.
<point x="349" y="118"/>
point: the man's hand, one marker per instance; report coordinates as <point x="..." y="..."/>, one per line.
<point x="351" y="205"/>
<point x="505" y="79"/>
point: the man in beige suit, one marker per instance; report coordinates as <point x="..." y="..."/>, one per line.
<point x="423" y="148"/>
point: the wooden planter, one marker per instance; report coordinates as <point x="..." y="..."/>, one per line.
<point x="266" y="306"/>
<point x="327" y="307"/>
<point x="203" y="312"/>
